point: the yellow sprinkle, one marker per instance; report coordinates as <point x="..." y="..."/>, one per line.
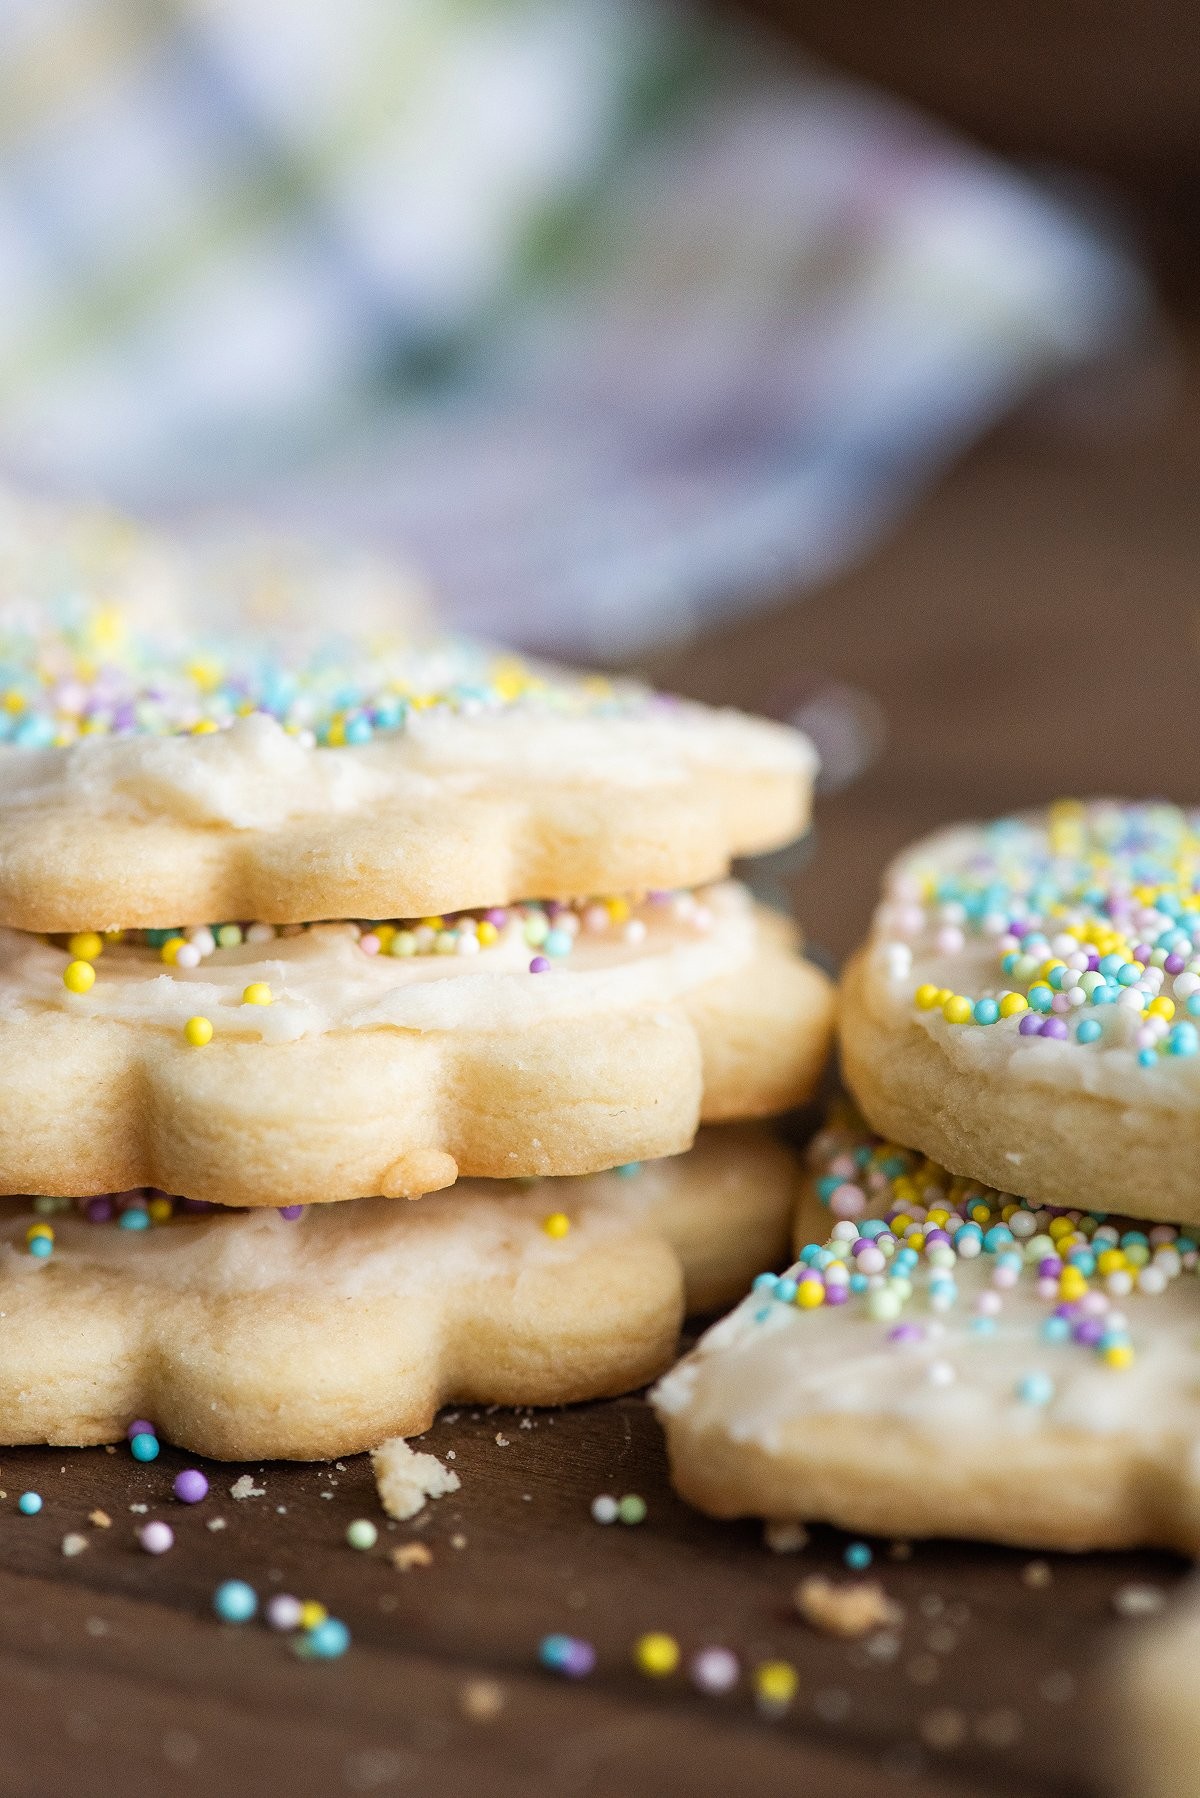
<point x="1071" y="1284"/>
<point x="775" y="1682"/>
<point x="198" y="1032"/>
<point x="1110" y="1261"/>
<point x="36" y="1230"/>
<point x="1012" y="1003"/>
<point x="257" y="993"/>
<point x="487" y="933"/>
<point x="170" y="949"/>
<point x="204" y="728"/>
<point x="656" y="1654"/>
<point x="957" y="1010"/>
<point x="79" y="977"/>
<point x="1059" y="1226"/>
<point x="161" y="1209"/>
<point x="618" y="910"/>
<point x="85" y="945"/>
<point x="557" y="1224"/>
<point x="385" y="933"/>
<point x="337" y="734"/>
<point x="432" y="924"/>
<point x="14" y="701"/>
<point x="810" y="1294"/>
<point x="312" y="1612"/>
<point x="1118" y="1354"/>
<point x="1162" y="1007"/>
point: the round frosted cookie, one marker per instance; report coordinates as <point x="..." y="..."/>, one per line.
<point x="1026" y="1008"/>
<point x="330" y="1071"/>
<point x="248" y="1335"/>
<point x="946" y="1360"/>
<point x="152" y="787"/>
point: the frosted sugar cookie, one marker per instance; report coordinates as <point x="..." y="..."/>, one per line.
<point x="1027" y="1008"/>
<point x="257" y="1334"/>
<point x="147" y="786"/>
<point x="946" y="1360"/>
<point x="313" y="1065"/>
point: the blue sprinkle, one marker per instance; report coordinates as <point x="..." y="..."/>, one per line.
<point x="858" y="1557"/>
<point x="1056" y="1329"/>
<point x="1088" y="1031"/>
<point x="234" y="1601"/>
<point x="1035" y="1389"/>
<point x="29" y="1504"/>
<point x="144" y="1447"/>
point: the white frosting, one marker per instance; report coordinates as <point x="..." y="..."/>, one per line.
<point x="755" y="1377"/>
<point x="901" y="958"/>
<point x="480" y="1230"/>
<point x="254" y="775"/>
<point x="321" y="980"/>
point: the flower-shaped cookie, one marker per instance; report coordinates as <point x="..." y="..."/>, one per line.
<point x="393" y="1075"/>
<point x="944" y="1361"/>
<point x="251" y="1335"/>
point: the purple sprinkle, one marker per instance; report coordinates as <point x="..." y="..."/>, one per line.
<point x="1068" y="1309"/>
<point x="1089" y="1331"/>
<point x="497" y="917"/>
<point x="579" y="1659"/>
<point x="139" y="1427"/>
<point x="1049" y="1267"/>
<point x="838" y="1293"/>
<point x="99" y="1210"/>
<point x="1142" y="952"/>
<point x="905" y="1333"/>
<point x="1031" y="1024"/>
<point x="290" y="1211"/>
<point x="1174" y="964"/>
<point x="539" y="965"/>
<point x="190" y="1486"/>
<point x="932" y="1237"/>
<point x="1054" y="1027"/>
<point x="1093" y="960"/>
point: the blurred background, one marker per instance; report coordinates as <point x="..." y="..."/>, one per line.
<point x="833" y="360"/>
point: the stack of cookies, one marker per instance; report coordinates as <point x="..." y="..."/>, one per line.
<point x="289" y="939"/>
<point x="992" y="1327"/>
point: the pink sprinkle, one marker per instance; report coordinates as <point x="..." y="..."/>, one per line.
<point x="369" y="944"/>
<point x="847" y="1200"/>
<point x="156" y="1538"/>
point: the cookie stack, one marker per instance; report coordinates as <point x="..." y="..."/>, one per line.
<point x="992" y="1328"/>
<point x="292" y="938"/>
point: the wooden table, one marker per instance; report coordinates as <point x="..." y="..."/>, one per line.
<point x="1032" y="629"/>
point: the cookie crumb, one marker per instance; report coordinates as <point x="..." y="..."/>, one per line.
<point x="244" y="1487"/>
<point x="458" y="1541"/>
<point x="74" y="1544"/>
<point x="501" y="1440"/>
<point x="1138" y="1601"/>
<point x="785" y="1538"/>
<point x="1036" y="1575"/>
<point x="405" y="1480"/>
<point x="844" y="1610"/>
<point x="101" y="1519"/>
<point x="481" y="1700"/>
<point x="139" y="1510"/>
<point x="411" y="1554"/>
<point x="216" y="1523"/>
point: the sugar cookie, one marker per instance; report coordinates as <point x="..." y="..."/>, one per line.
<point x="393" y="1074"/>
<point x="146" y="787"/>
<point x="251" y="1335"/>
<point x="1028" y="1006"/>
<point x="952" y="1362"/>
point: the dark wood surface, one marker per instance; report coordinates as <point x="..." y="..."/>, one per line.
<point x="1033" y="628"/>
